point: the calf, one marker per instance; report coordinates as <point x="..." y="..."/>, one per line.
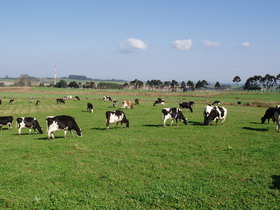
<point x="115" y="103"/>
<point x="159" y="101"/>
<point x="187" y="105"/>
<point x="217" y="113"/>
<point x="269" y="113"/>
<point x="37" y="103"/>
<point x="106" y="98"/>
<point x="206" y="112"/>
<point x="11" y="101"/>
<point x="116" y="117"/>
<point x="78" y="98"/>
<point x="127" y="104"/>
<point x="60" y="101"/>
<point x="90" y="107"/>
<point x="28" y="122"/>
<point x="62" y="122"/>
<point x="8" y="120"/>
<point x="137" y="101"/>
<point x="173" y="113"/>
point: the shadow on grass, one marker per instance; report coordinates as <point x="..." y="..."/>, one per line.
<point x="275" y="182"/>
<point x="196" y="123"/>
<point x="256" y="123"/>
<point x="255" y="129"/>
<point x="155" y="126"/>
<point x="46" y="138"/>
<point x="26" y="134"/>
<point x="99" y="129"/>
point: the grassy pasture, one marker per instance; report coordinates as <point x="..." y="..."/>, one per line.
<point x="145" y="166"/>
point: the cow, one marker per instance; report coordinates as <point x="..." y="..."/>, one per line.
<point x="28" y="122"/>
<point x="37" y="103"/>
<point x="277" y="118"/>
<point x="173" y="113"/>
<point x="116" y="117"/>
<point x="127" y="104"/>
<point x="31" y="100"/>
<point x="78" y="98"/>
<point x="137" y="101"/>
<point x="115" y="103"/>
<point x="216" y="113"/>
<point x="68" y="98"/>
<point x="269" y="113"/>
<point x="207" y="111"/>
<point x="159" y="101"/>
<point x="187" y="105"/>
<point x="63" y="122"/>
<point x="60" y="101"/>
<point x="11" y="101"/>
<point x="0" y="101"/>
<point x="90" y="107"/>
<point x="7" y="120"/>
<point x="106" y="98"/>
<point x="216" y="102"/>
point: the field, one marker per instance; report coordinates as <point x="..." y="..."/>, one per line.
<point x="145" y="166"/>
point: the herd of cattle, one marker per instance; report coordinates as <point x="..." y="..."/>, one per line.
<point x="212" y="112"/>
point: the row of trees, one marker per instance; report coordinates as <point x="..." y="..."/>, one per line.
<point x="88" y="85"/>
<point x="259" y="82"/>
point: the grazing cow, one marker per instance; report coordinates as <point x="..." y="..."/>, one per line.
<point x="78" y="98"/>
<point x="68" y="98"/>
<point x="269" y="113"/>
<point x="90" y="107"/>
<point x="37" y="103"/>
<point x="11" y="101"/>
<point x="216" y="102"/>
<point x="127" y="104"/>
<point x="106" y="98"/>
<point x="277" y="118"/>
<point x="28" y="122"/>
<point x="8" y="120"/>
<point x="137" y="101"/>
<point x="217" y="113"/>
<point x="115" y="103"/>
<point x="62" y="122"/>
<point x="187" y="105"/>
<point x="207" y="111"/>
<point x="173" y="113"/>
<point x="31" y="100"/>
<point x="159" y="101"/>
<point x="116" y="117"/>
<point x="60" y="101"/>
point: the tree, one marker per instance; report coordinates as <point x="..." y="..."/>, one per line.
<point x="217" y="85"/>
<point x="174" y="84"/>
<point x="190" y="84"/>
<point x="204" y="83"/>
<point x="137" y="83"/>
<point x="183" y="84"/>
<point x="198" y="85"/>
<point x="61" y="84"/>
<point x="73" y="84"/>
<point x="236" y="79"/>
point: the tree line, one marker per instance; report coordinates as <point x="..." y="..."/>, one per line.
<point x="258" y="82"/>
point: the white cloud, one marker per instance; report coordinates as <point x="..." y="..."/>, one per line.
<point x="245" y="44"/>
<point x="132" y="45"/>
<point x="210" y="44"/>
<point x="183" y="44"/>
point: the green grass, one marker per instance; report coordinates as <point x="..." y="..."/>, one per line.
<point x="145" y="166"/>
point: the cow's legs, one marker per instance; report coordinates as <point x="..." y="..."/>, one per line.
<point x="65" y="132"/>
<point x="171" y="122"/>
<point x="19" y="131"/>
<point x="164" y="122"/>
<point x="72" y="133"/>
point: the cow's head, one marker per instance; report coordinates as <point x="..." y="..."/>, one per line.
<point x="127" y="123"/>
<point x="263" y="120"/>
<point x="79" y="132"/>
<point x="213" y="114"/>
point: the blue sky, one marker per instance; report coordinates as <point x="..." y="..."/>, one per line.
<point x="184" y="40"/>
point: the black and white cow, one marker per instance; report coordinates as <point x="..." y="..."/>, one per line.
<point x="173" y="113"/>
<point x="31" y="100"/>
<point x="90" y="107"/>
<point x="63" y="122"/>
<point x="277" y="118"/>
<point x="60" y="101"/>
<point x="269" y="113"/>
<point x="206" y="111"/>
<point x="7" y="120"/>
<point x="11" y="101"/>
<point x="37" y="103"/>
<point x="68" y="97"/>
<point x="187" y="105"/>
<point x="159" y="101"/>
<point x="116" y="117"/>
<point x="216" y="102"/>
<point x="115" y="103"/>
<point x="217" y="113"/>
<point x="28" y="122"/>
<point x="78" y="98"/>
<point x="106" y="98"/>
